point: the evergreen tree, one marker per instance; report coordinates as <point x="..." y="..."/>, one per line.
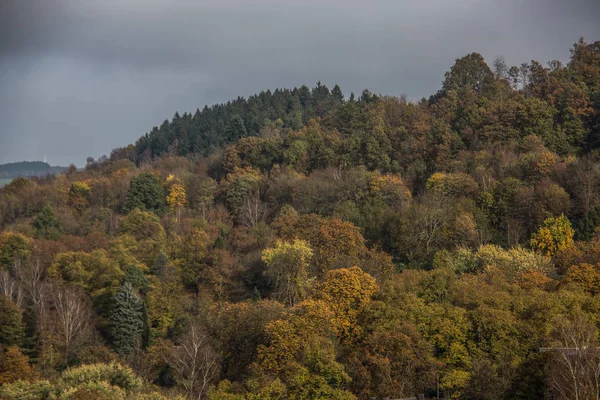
<point x="236" y="129"/>
<point x="11" y="323"/>
<point x="46" y="224"/>
<point x="159" y="265"/>
<point x="14" y="366"/>
<point x="127" y="320"/>
<point x="137" y="279"/>
<point x="337" y="94"/>
<point x="146" y="193"/>
<point x="256" y="294"/>
<point x="587" y="226"/>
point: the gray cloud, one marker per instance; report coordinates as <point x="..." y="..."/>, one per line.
<point x="79" y="78"/>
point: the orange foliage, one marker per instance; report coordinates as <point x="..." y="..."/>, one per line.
<point x="14" y="366"/>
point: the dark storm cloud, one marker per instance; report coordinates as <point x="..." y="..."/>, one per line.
<point x="79" y="78"/>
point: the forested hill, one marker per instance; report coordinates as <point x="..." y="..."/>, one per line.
<point x="476" y="106"/>
<point x="303" y="245"/>
<point x="221" y="124"/>
<point x="27" y="168"/>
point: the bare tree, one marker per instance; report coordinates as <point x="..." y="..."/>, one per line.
<point x="554" y="65"/>
<point x="10" y="288"/>
<point x="500" y="68"/>
<point x="524" y="76"/>
<point x="73" y="321"/>
<point x="253" y="211"/>
<point x="575" y="367"/>
<point x="337" y="173"/>
<point x="32" y="276"/>
<point x="428" y="221"/>
<point x="513" y="73"/>
<point x="195" y="362"/>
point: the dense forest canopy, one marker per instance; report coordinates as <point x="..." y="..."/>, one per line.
<point x="299" y="244"/>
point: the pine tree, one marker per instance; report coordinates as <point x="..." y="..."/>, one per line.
<point x="137" y="279"/>
<point x="337" y="94"/>
<point x="127" y="320"/>
<point x="236" y="129"/>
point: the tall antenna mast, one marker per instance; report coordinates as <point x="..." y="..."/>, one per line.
<point x="44" y="158"/>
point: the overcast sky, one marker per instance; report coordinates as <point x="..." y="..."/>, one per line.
<point x="81" y="77"/>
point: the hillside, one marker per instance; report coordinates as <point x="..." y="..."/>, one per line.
<point x="27" y="169"/>
<point x="301" y="244"/>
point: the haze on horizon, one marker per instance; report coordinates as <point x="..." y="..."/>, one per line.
<point x="79" y="78"/>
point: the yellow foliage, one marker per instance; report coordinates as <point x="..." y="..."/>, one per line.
<point x="512" y="261"/>
<point x="555" y="235"/>
<point x="284" y="344"/>
<point x="347" y="291"/>
<point x="452" y="184"/>
<point x="454" y="382"/>
<point x="80" y="187"/>
<point x="586" y="276"/>
<point x="392" y="188"/>
<point x="177" y="196"/>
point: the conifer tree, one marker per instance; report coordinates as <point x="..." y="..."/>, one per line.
<point x="236" y="129"/>
<point x="14" y="366"/>
<point x="127" y="320"/>
<point x="11" y="323"/>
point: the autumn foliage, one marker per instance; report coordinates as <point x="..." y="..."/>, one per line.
<point x="298" y="244"/>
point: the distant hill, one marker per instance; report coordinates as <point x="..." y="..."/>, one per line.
<point x="27" y="169"/>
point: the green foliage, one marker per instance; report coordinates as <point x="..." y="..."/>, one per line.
<point x="11" y="323"/>
<point x="13" y="246"/>
<point x="127" y="320"/>
<point x="469" y="72"/>
<point x="235" y="129"/>
<point x="92" y="381"/>
<point x="137" y="279"/>
<point x="93" y="271"/>
<point x="238" y="186"/>
<point x="587" y="226"/>
<point x="160" y="263"/>
<point x="146" y="193"/>
<point x="287" y="269"/>
<point x="114" y="374"/>
<point x="219" y="125"/>
<point x="46" y="224"/>
<point x="23" y="390"/>
<point x="201" y="192"/>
